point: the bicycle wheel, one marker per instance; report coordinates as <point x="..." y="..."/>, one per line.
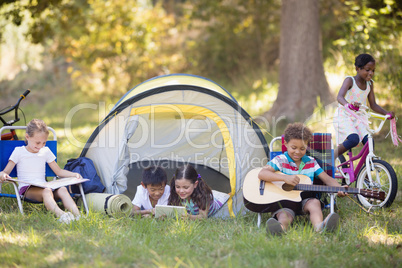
<point x="384" y="179"/>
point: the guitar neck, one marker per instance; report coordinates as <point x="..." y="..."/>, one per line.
<point x="326" y="189"/>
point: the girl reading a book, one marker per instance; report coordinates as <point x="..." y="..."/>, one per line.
<point x="188" y="189"/>
<point x="31" y="162"/>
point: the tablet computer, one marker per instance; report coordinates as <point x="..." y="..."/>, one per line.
<point x="169" y="211"/>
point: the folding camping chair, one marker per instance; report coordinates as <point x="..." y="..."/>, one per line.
<point x="7" y="147"/>
<point x="321" y="148"/>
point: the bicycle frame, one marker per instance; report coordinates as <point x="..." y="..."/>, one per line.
<point x="9" y="136"/>
<point x="366" y="154"/>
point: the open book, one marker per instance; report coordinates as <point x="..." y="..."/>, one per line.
<point x="169" y="211"/>
<point x="55" y="184"/>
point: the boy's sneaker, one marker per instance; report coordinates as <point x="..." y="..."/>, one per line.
<point x="329" y="224"/>
<point x="274" y="227"/>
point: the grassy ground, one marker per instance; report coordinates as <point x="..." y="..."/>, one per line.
<point x="36" y="239"/>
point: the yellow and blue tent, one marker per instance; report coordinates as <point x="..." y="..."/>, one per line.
<point x="175" y="119"/>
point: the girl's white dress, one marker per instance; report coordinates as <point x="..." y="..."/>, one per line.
<point x="344" y="123"/>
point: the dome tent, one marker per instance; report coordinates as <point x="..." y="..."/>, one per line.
<point x="175" y="119"/>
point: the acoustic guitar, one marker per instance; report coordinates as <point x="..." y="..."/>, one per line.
<point x="261" y="196"/>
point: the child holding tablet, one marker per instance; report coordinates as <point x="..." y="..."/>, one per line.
<point x="188" y="189"/>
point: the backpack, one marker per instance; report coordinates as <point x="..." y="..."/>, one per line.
<point x="86" y="168"/>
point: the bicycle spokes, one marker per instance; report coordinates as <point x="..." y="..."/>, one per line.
<point x="383" y="178"/>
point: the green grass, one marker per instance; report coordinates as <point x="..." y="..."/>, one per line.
<point x="38" y="240"/>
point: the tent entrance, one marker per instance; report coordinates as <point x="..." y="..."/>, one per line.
<point x="215" y="179"/>
<point x="178" y="118"/>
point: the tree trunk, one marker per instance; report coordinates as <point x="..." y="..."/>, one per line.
<point x="301" y="72"/>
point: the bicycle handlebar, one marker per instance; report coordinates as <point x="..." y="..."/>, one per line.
<point x="26" y="93"/>
<point x="14" y="107"/>
<point x="381" y="117"/>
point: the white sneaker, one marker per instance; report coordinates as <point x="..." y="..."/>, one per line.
<point x="65" y="218"/>
<point x="71" y="215"/>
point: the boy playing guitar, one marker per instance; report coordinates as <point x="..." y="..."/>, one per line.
<point x="291" y="163"/>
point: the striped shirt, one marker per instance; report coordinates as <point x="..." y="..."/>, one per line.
<point x="286" y="165"/>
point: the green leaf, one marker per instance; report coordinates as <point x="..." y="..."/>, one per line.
<point x="340" y="42"/>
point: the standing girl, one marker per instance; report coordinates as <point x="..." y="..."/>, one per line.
<point x="31" y="167"/>
<point x="188" y="189"/>
<point x="354" y="92"/>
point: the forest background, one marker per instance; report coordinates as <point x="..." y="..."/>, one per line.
<point x="91" y="51"/>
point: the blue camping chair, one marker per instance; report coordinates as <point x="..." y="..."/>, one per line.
<point x="7" y="147"/>
<point x="322" y="149"/>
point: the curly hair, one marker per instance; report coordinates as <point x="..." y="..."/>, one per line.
<point x="363" y="59"/>
<point x="298" y="131"/>
<point x="202" y="194"/>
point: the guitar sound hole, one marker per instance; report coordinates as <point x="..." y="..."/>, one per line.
<point x="287" y="187"/>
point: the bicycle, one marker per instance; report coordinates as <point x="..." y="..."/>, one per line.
<point x="371" y="172"/>
<point x="12" y="135"/>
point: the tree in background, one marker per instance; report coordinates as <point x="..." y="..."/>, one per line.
<point x="107" y="46"/>
<point x="367" y="26"/>
<point x="233" y="38"/>
<point x="301" y="74"/>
